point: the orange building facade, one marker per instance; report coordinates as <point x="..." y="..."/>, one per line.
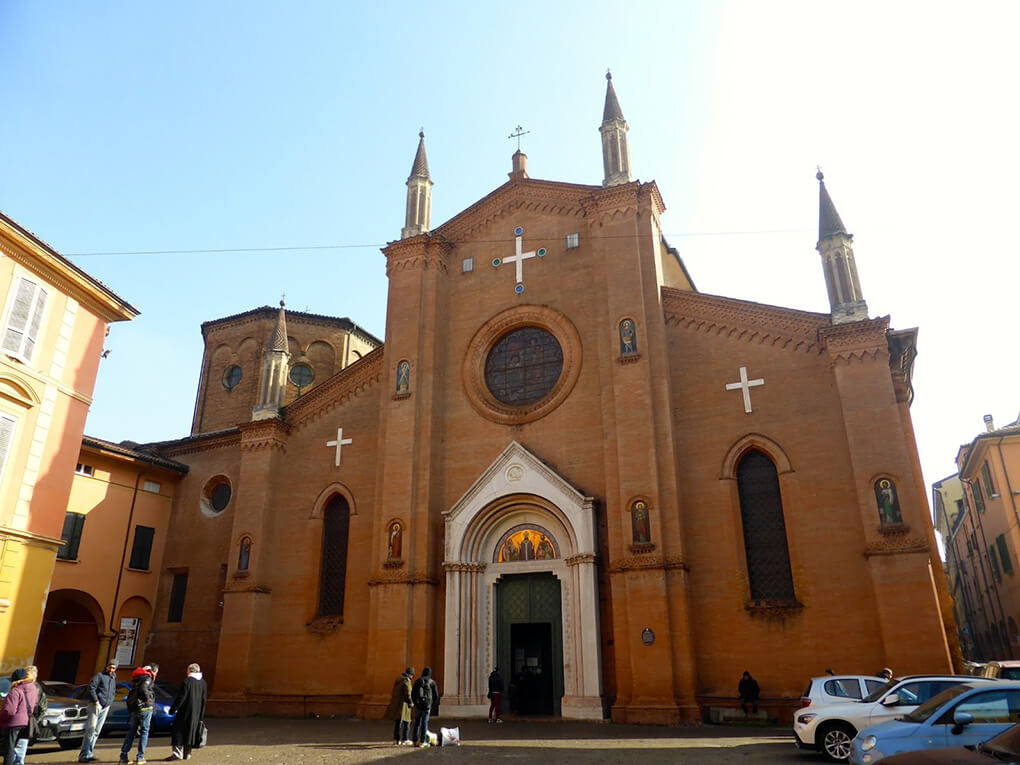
<point x="53" y="323"/>
<point x="567" y="462"/>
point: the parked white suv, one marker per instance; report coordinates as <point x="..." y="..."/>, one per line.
<point x="830" y="728"/>
<point x="829" y="689"/>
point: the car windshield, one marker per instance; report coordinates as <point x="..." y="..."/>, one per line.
<point x="877" y="694"/>
<point x="932" y="705"/>
<point x="1006" y="743"/>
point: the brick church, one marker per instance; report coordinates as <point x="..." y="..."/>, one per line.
<point x="622" y="495"/>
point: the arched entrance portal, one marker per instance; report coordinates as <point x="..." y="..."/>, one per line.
<point x="521" y="592"/>
<point x="72" y="635"/>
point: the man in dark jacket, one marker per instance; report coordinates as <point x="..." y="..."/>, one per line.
<point x="423" y="695"/>
<point x="399" y="709"/>
<point x="495" y="695"/>
<point x="140" y="701"/>
<point x="99" y="695"/>
<point x="189" y="708"/>
<point x="748" y="690"/>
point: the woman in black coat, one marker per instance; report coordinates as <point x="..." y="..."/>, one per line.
<point x="189" y="709"/>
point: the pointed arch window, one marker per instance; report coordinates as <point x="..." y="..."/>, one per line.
<point x="765" y="544"/>
<point x="336" y="522"/>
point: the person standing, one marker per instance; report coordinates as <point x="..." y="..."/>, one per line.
<point x="99" y="695"/>
<point x="423" y="694"/>
<point x="14" y="716"/>
<point x="189" y="708"/>
<point x="140" y="702"/>
<point x="399" y="709"/>
<point x="748" y="690"/>
<point x="495" y="695"/>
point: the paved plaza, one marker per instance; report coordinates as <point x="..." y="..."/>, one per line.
<point x="275" y="741"/>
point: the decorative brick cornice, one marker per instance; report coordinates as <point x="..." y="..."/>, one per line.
<point x="902" y="352"/>
<point x="785" y="328"/>
<point x="224" y="439"/>
<point x="473" y="568"/>
<point x="403" y="577"/>
<point x="324" y="625"/>
<point x="346" y="384"/>
<point x="264" y="434"/>
<point x="641" y="562"/>
<point x="895" y="544"/>
<point x="426" y="251"/>
<point x="577" y="560"/>
<point x="856" y="341"/>
<point x="774" y="609"/>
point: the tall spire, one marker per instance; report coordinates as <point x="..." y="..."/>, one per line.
<point x="419" y="194"/>
<point x="835" y="245"/>
<point x="615" y="151"/>
<point x="275" y="365"/>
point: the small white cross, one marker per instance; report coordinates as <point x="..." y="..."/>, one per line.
<point x="339" y="443"/>
<point x="745" y="386"/>
<point x="518" y="259"/>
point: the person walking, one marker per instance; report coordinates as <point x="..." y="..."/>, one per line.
<point x="495" y="695"/>
<point x="140" y="700"/>
<point x="14" y="716"/>
<point x="99" y="696"/>
<point x="423" y="694"/>
<point x="399" y="709"/>
<point x="748" y="690"/>
<point x="189" y="708"/>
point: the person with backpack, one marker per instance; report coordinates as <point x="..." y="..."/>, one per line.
<point x="140" y="700"/>
<point x="15" y="714"/>
<point x="423" y="695"/>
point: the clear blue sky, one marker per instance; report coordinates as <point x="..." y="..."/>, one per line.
<point x="135" y="126"/>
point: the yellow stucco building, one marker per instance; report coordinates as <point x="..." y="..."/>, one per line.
<point x="53" y="322"/>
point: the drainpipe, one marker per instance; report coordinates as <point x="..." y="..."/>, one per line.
<point x="114" y="628"/>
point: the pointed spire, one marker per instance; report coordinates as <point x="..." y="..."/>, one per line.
<point x="615" y="151"/>
<point x="420" y="168"/>
<point x="612" y="110"/>
<point x="279" y="339"/>
<point x="419" y="194"/>
<point x="829" y="222"/>
<point x="835" y="245"/>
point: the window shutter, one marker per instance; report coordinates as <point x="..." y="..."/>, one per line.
<point x="24" y="319"/>
<point x="6" y="439"/>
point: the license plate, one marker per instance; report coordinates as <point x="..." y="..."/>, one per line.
<point x="77" y="726"/>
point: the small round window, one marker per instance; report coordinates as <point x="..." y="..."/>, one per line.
<point x="231" y="377"/>
<point x="523" y="366"/>
<point x="301" y="375"/>
<point x="216" y="495"/>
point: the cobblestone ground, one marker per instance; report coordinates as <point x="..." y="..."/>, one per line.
<point x="310" y="742"/>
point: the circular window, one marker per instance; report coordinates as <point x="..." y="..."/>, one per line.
<point x="216" y="495"/>
<point x="301" y="375"/>
<point x="523" y="366"/>
<point x="231" y="377"/>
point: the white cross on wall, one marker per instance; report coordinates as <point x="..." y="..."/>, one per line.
<point x="518" y="259"/>
<point x="339" y="443"/>
<point x="745" y="386"/>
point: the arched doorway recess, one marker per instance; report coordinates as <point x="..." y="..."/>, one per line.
<point x="518" y="493"/>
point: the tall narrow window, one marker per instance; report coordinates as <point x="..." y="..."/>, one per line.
<point x="761" y="511"/>
<point x="1007" y="564"/>
<point x="336" y="522"/>
<point x="71" y="536"/>
<point x="986" y="477"/>
<point x="6" y="438"/>
<point x="23" y="318"/>
<point x="142" y="548"/>
<point x="178" y="591"/>
<point x="979" y="500"/>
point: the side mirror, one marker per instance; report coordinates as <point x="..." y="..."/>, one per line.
<point x="891" y="700"/>
<point x="961" y="720"/>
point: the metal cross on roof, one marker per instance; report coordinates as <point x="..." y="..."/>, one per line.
<point x="518" y="132"/>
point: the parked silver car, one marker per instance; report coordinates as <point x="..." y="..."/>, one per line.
<point x="829" y="689"/>
<point x="64" y="721"/>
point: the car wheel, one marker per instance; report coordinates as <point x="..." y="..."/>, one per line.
<point x="70" y="743"/>
<point x="835" y="741"/>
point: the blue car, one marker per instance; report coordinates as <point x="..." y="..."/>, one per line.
<point x="117" y="719"/>
<point x="963" y="715"/>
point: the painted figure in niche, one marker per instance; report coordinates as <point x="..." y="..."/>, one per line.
<point x="403" y="377"/>
<point x="510" y="551"/>
<point x="544" y="551"/>
<point x="640" y="528"/>
<point x="244" y="554"/>
<point x="527" y="548"/>
<point x="628" y="338"/>
<point x="396" y="539"/>
<point x="888" y="502"/>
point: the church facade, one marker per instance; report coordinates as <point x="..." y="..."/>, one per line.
<point x="564" y="461"/>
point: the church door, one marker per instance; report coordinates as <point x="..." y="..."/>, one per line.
<point x="529" y="642"/>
